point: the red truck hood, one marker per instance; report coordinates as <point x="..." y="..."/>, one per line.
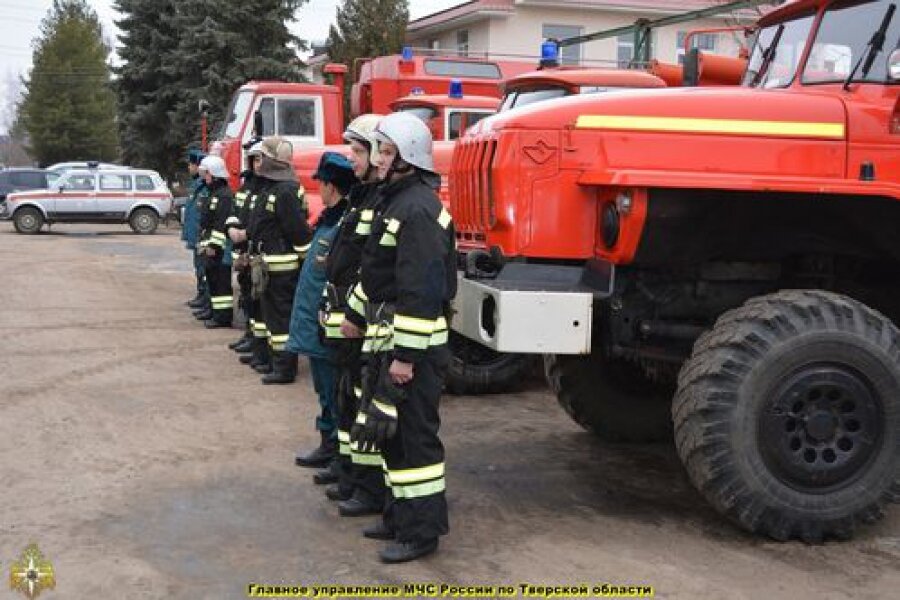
<point x="739" y="111"/>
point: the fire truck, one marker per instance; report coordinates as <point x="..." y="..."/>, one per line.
<point x="312" y="115"/>
<point x="719" y="263"/>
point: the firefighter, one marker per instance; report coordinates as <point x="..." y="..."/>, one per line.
<point x="407" y="282"/>
<point x="214" y="246"/>
<point x="190" y="230"/>
<point x="236" y="225"/>
<point x="280" y="235"/>
<point x="335" y="176"/>
<point x="360" y="487"/>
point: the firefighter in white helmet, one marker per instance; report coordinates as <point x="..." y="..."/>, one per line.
<point x="407" y="283"/>
<point x="358" y="474"/>
<point x="214" y="246"/>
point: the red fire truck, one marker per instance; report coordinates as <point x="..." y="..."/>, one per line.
<point x="733" y="248"/>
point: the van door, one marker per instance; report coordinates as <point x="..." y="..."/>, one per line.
<point x="116" y="196"/>
<point x="77" y="200"/>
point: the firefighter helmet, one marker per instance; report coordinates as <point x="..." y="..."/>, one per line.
<point x="278" y="149"/>
<point x="411" y="136"/>
<point x="215" y="166"/>
<point x="362" y="130"/>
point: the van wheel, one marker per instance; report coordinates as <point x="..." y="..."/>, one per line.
<point x="144" y="221"/>
<point x="787" y="415"/>
<point x="28" y="220"/>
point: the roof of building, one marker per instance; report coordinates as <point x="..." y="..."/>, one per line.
<point x="476" y="10"/>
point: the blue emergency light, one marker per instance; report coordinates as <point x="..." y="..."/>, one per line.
<point x="407" y="53"/>
<point x="417" y="91"/>
<point x="549" y="54"/>
<point x="456" y="90"/>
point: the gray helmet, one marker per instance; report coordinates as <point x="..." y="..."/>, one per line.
<point x="411" y="136"/>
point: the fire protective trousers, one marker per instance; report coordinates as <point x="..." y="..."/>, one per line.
<point x="220" y="291"/>
<point x="277" y="302"/>
<point x="414" y="457"/>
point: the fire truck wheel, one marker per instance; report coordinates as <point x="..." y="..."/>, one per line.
<point x="144" y="221"/>
<point x="611" y="398"/>
<point x="28" y="220"/>
<point x="476" y="369"/>
<point x="787" y="415"/>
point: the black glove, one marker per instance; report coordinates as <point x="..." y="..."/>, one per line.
<point x="378" y="422"/>
<point x="380" y="425"/>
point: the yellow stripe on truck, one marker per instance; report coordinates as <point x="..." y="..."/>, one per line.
<point x="726" y="126"/>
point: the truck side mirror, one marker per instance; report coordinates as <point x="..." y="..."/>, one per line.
<point x="894" y="65"/>
<point x="257" y="124"/>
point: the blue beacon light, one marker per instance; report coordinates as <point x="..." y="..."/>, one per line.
<point x="456" y="88"/>
<point x="407" y="53"/>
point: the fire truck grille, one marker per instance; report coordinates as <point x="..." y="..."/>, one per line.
<point x="472" y="202"/>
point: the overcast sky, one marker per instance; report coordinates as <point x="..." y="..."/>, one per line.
<point x="20" y="24"/>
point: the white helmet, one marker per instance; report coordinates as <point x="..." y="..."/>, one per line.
<point x="362" y="130"/>
<point x="411" y="136"/>
<point x="215" y="166"/>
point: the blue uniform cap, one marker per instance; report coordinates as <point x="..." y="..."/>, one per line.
<point x="336" y="169"/>
<point x="195" y="156"/>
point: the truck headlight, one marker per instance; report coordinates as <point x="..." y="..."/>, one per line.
<point x="610" y="225"/>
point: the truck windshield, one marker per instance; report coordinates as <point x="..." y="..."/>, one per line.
<point x="423" y="112"/>
<point x="517" y="98"/>
<point x="843" y="38"/>
<point x="237" y="114"/>
<point x="776" y="53"/>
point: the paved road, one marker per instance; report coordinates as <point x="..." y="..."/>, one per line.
<point x="146" y="463"/>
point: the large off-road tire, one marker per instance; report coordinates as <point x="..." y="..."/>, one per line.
<point x="612" y="398"/>
<point x="787" y="415"/>
<point x="28" y="220"/>
<point x="476" y="369"/>
<point x="144" y="221"/>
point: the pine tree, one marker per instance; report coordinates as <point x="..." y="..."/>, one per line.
<point x="68" y="109"/>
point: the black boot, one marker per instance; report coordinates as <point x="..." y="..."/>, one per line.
<point x="284" y="369"/>
<point x="260" y="354"/>
<point x="197" y="301"/>
<point x="241" y="341"/>
<point x="359" y="506"/>
<point x="243" y="346"/>
<point x="336" y="493"/>
<point x="398" y="552"/>
<point x="204" y="314"/>
<point x="321" y="456"/>
<point x="327" y="475"/>
<point x="379" y="531"/>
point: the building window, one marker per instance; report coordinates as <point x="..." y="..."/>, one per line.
<point x="624" y="50"/>
<point x="434" y="44"/>
<point x="570" y="55"/>
<point x="462" y="42"/>
<point x="706" y="42"/>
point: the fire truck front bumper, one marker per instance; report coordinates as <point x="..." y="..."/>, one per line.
<point x="533" y="309"/>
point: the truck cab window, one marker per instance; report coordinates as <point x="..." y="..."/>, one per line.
<point x="842" y="39"/>
<point x="776" y="53"/>
<point x="296" y="118"/>
<point x="237" y="114"/>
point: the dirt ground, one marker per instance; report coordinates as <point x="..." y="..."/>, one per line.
<point x="147" y="463"/>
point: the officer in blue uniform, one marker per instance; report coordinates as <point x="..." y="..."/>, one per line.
<point x="336" y="178"/>
<point x="190" y="228"/>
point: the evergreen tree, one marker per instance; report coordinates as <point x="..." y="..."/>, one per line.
<point x="367" y="28"/>
<point x="197" y="50"/>
<point x="146" y="92"/>
<point x="68" y="109"/>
